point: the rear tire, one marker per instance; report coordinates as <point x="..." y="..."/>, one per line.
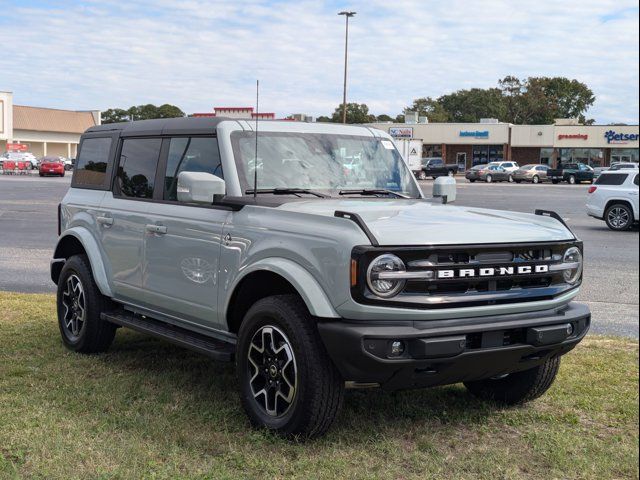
<point x="489" y="179"/>
<point x="297" y="396"/>
<point x="536" y="179"/>
<point x="80" y="304"/>
<point x="555" y="182"/>
<point x="518" y="387"/>
<point x="619" y="217"/>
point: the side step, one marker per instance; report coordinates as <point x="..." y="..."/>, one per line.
<point x="216" y="349"/>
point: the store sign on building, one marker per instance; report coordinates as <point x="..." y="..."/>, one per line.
<point x="614" y="137"/>
<point x="573" y="136"/>
<point x="475" y="133"/>
<point x="401" y="132"/>
<point x="17" y="147"/>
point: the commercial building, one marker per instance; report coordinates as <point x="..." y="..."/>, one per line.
<point x="42" y="131"/>
<point x="244" y="113"/>
<point x="470" y="144"/>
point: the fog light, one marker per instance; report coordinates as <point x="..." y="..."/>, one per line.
<point x="569" y="329"/>
<point x="397" y="348"/>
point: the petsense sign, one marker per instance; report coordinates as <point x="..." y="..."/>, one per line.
<point x="475" y="133"/>
<point x="614" y="137"/>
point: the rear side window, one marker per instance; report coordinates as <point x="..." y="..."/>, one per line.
<point x="190" y="154"/>
<point x="612" y="179"/>
<point x="91" y="165"/>
<point x="636" y="180"/>
<point x="137" y="167"/>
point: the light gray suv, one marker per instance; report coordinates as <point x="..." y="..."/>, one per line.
<point x="321" y="278"/>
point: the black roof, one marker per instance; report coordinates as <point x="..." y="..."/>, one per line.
<point x="160" y="126"/>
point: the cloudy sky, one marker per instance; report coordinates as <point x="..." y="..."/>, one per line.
<point x="198" y="54"/>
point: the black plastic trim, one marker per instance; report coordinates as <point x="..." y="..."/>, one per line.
<point x="357" y="219"/>
<point x="552" y="214"/>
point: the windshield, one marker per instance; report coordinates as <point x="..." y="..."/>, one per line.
<point x="321" y="162"/>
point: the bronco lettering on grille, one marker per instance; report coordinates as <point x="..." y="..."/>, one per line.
<point x="492" y="271"/>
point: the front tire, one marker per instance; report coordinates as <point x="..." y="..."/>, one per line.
<point x="518" y="387"/>
<point x="619" y="217"/>
<point x="536" y="179"/>
<point x="288" y="383"/>
<point x="80" y="304"/>
<point x="489" y="179"/>
<point x="511" y="180"/>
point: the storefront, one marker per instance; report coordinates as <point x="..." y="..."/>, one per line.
<point x="42" y="131"/>
<point x="470" y="144"/>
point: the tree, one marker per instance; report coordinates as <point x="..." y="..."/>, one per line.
<point x="114" y="115"/>
<point x="558" y="97"/>
<point x="356" y="113"/>
<point x="323" y="118"/>
<point x="430" y="108"/>
<point x="141" y="112"/>
<point x="472" y="105"/>
<point x="384" y="118"/>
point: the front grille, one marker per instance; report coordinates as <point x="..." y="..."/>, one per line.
<point x="480" y="274"/>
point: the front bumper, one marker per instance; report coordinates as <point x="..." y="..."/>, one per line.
<point x="441" y="352"/>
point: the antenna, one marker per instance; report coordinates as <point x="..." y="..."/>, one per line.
<point x="255" y="161"/>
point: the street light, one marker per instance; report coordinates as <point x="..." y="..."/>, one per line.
<point x="346" y="44"/>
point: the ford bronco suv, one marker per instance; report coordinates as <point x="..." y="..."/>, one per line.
<point x="320" y="278"/>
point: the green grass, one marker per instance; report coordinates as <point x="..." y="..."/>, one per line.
<point x="147" y="409"/>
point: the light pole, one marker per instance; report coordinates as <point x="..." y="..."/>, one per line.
<point x="346" y="44"/>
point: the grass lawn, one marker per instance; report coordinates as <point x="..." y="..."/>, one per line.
<point x="147" y="409"/>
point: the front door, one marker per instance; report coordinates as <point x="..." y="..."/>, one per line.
<point x="182" y="241"/>
<point x="461" y="159"/>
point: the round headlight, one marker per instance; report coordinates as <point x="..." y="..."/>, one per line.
<point x="384" y="285"/>
<point x="573" y="256"/>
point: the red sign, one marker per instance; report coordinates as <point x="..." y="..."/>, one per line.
<point x="17" y="147"/>
<point x="573" y="136"/>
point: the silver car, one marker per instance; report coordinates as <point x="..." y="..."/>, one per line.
<point x="264" y="250"/>
<point x="534" y="173"/>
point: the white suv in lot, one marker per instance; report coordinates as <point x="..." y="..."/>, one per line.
<point x="614" y="198"/>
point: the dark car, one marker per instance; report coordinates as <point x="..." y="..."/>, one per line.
<point x="435" y="167"/>
<point x="571" y="173"/>
<point x="488" y="173"/>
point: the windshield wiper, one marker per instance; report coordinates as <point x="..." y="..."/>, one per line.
<point x="372" y="191"/>
<point x="286" y="191"/>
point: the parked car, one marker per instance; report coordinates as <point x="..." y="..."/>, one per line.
<point x="32" y="162"/>
<point x="51" y="166"/>
<point x="571" y="173"/>
<point x="614" y="198"/>
<point x="534" y="173"/>
<point x="510" y="167"/>
<point x="488" y="173"/>
<point x="623" y="166"/>
<point x="435" y="167"/>
<point x="307" y="282"/>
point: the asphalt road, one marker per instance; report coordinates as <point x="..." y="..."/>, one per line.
<point x="28" y="235"/>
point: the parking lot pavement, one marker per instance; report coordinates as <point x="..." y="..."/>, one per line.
<point x="28" y="234"/>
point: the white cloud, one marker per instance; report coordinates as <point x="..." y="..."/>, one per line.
<point x="198" y="54"/>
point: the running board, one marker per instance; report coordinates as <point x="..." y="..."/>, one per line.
<point x="211" y="347"/>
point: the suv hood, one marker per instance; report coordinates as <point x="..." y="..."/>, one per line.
<point x="421" y="222"/>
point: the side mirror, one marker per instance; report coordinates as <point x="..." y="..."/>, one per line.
<point x="199" y="187"/>
<point x="445" y="188"/>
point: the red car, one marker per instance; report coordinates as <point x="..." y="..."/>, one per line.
<point x="51" y="166"/>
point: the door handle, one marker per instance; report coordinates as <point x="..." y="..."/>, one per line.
<point x="106" y="221"/>
<point x="156" y="229"/>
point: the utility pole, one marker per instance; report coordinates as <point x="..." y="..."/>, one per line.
<point x="347" y="15"/>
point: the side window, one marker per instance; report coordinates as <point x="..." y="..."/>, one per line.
<point x="636" y="181"/>
<point x="611" y="179"/>
<point x="91" y="166"/>
<point x="137" y="167"/>
<point x="190" y="154"/>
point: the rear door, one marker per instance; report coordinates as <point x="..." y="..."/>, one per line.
<point x="123" y="216"/>
<point x="182" y="241"/>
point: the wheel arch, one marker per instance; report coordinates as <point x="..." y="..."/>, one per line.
<point x="616" y="201"/>
<point x="275" y="276"/>
<point x="78" y="241"/>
